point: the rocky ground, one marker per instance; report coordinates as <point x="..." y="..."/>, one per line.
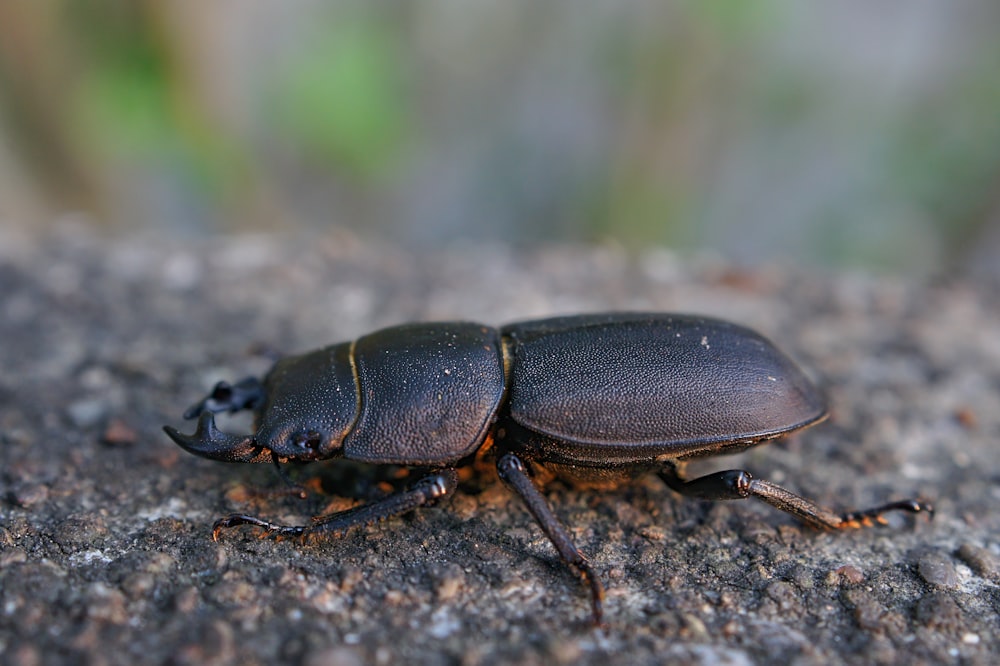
<point x="106" y="554"/>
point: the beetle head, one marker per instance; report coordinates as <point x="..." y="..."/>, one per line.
<point x="309" y="405"/>
<point x="304" y="407"/>
<point x="207" y="440"/>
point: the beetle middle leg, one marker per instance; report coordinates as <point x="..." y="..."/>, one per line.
<point x="739" y="484"/>
<point x="424" y="492"/>
<point x="514" y="473"/>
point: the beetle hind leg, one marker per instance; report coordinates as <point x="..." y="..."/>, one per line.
<point x="739" y="484"/>
<point x="514" y="473"/>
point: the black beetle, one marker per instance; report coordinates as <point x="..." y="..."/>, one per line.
<point x="595" y="398"/>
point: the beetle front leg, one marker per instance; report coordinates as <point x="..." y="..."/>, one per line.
<point x="514" y="473"/>
<point x="424" y="492"/>
<point x="740" y="484"/>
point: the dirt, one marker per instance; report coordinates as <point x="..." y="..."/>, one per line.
<point x="106" y="554"/>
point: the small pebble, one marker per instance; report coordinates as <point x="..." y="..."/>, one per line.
<point x="982" y="561"/>
<point x="88" y="412"/>
<point x="333" y="656"/>
<point x="937" y="570"/>
<point x="119" y="433"/>
<point x="849" y="574"/>
<point x="29" y="495"/>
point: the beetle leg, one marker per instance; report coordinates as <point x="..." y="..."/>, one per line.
<point x="426" y="491"/>
<point x="740" y="484"/>
<point x="514" y="473"/>
<point x="292" y="486"/>
<point x="242" y="519"/>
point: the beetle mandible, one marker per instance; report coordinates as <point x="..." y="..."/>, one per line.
<point x="601" y="397"/>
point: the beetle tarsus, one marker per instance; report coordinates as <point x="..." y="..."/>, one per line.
<point x="514" y="473"/>
<point x="596" y="594"/>
<point x="270" y="529"/>
<point x="870" y="517"/>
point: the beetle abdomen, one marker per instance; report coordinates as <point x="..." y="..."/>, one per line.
<point x="429" y="392"/>
<point x="668" y="383"/>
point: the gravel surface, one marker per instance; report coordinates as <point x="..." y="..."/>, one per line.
<point x="106" y="554"/>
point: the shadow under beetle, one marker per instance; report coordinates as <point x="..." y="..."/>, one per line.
<point x="595" y="398"/>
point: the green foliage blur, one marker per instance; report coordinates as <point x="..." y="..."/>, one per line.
<point x="836" y="134"/>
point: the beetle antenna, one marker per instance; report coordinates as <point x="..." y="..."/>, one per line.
<point x="248" y="393"/>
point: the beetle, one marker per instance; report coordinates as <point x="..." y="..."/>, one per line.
<point x="597" y="399"/>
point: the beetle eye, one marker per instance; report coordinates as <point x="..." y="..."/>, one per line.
<point x="307" y="440"/>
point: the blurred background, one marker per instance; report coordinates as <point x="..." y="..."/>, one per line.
<point x="849" y="134"/>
